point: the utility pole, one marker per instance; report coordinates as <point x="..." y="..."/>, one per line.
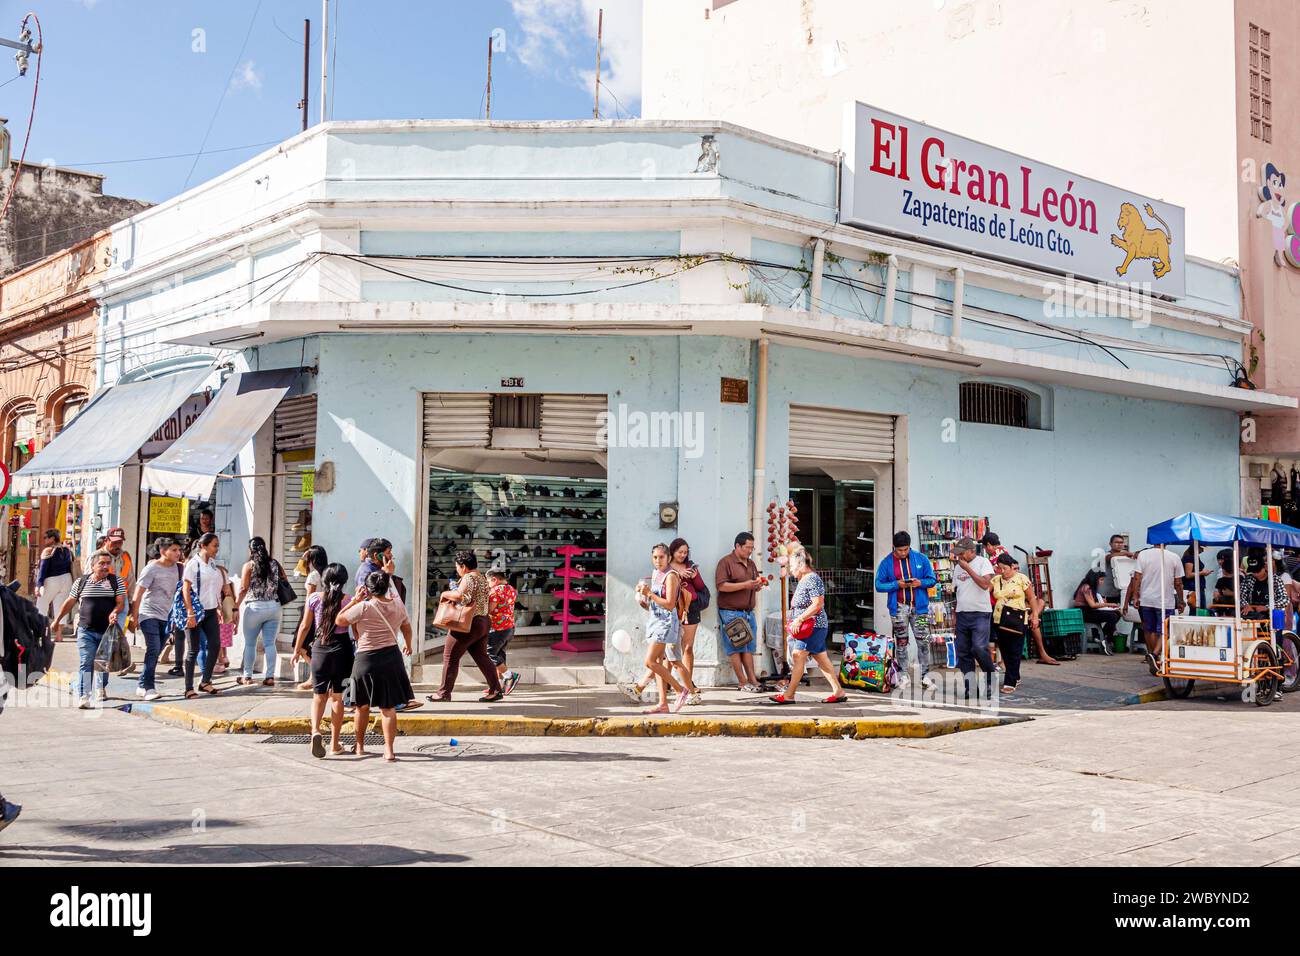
<point x="306" y="69"/>
<point x="600" y="32"/>
<point x="489" y="81"/>
<point x="324" y="56"/>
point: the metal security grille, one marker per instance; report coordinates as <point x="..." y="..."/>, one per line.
<point x="457" y="420"/>
<point x="839" y="434"/>
<point x="294" y="531"/>
<point x="295" y="423"/>
<point x="516" y="411"/>
<point x="986" y="403"/>
<point x="572" y="421"/>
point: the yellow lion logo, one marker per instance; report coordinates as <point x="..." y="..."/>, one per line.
<point x="1142" y="241"/>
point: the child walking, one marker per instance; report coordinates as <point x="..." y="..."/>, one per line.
<point x="501" y="624"/>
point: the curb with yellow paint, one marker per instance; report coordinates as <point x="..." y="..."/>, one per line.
<point x="472" y="725"/>
<point x="489" y="725"/>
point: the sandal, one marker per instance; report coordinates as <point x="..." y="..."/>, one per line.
<point x="491" y="698"/>
<point x="781" y="699"/>
<point x="191" y="694"/>
<point x="437" y="698"/>
<point x="209" y="689"/>
<point x="842" y="699"/>
<point x="269" y="682"/>
<point x="1009" y="690"/>
<point x="245" y="680"/>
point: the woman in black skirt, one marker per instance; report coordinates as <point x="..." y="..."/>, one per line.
<point x="331" y="654"/>
<point x="379" y="672"/>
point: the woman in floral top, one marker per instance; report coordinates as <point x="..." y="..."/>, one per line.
<point x="809" y="606"/>
<point x="471" y="592"/>
<point x="501" y="621"/>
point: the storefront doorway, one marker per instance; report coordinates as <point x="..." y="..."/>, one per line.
<point x="844" y="481"/>
<point x="521" y="480"/>
<point x="837" y="521"/>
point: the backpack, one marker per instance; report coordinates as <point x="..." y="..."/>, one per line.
<point x="702" y="595"/>
<point x="177" y="620"/>
<point x="683" y="598"/>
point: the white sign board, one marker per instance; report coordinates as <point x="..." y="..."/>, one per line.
<point x="915" y="180"/>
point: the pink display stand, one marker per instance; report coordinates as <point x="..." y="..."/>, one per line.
<point x="586" y="645"/>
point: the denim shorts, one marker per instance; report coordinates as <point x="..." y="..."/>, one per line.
<point x="1151" y="618"/>
<point x="725" y="617"/>
<point x="814" y="643"/>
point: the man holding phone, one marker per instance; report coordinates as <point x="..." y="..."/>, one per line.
<point x="907" y="576"/>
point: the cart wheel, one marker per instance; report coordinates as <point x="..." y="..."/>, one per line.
<point x="1266" y="685"/>
<point x="1288" y="647"/>
<point x="1179" y="688"/>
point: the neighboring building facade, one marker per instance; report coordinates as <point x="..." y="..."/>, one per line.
<point x="55" y="208"/>
<point x="47" y="374"/>
<point x="1064" y="81"/>
<point x="525" y="337"/>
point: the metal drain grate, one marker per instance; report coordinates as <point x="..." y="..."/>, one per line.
<point x="462" y="750"/>
<point x="345" y="740"/>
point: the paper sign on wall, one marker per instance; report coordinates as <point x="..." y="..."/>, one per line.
<point x="169" y="515"/>
<point x="308" y="485"/>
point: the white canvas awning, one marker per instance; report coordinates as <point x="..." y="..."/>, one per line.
<point x="190" y="466"/>
<point x="87" y="454"/>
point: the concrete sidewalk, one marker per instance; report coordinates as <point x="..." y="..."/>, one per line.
<point x="1091" y="683"/>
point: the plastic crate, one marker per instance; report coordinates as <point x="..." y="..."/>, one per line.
<point x="1060" y="622"/>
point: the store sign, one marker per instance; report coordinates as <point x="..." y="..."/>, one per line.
<point x="175" y="426"/>
<point x="735" y="391"/>
<point x="169" y="515"/>
<point x="915" y="180"/>
<point x="308" y="485"/>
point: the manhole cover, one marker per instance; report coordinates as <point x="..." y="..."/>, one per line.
<point x="345" y="740"/>
<point x="463" y="749"/>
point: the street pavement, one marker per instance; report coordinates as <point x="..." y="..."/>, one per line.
<point x="1209" y="781"/>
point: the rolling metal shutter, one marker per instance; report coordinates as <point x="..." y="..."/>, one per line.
<point x="570" y="421"/>
<point x="457" y="420"/>
<point x="839" y="434"/>
<point x="295" y="424"/>
<point x="292" y="508"/>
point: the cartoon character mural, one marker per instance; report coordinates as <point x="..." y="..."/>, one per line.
<point x="1273" y="208"/>
<point x="1140" y="241"/>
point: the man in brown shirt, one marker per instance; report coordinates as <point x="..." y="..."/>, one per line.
<point x="738" y="584"/>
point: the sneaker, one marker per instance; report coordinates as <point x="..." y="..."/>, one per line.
<point x="509" y="684"/>
<point x="139" y="692"/>
<point x="1153" y="665"/>
<point x="928" y="682"/>
<point x="8" y="812"/>
<point x="1277" y="695"/>
<point x="83" y="702"/>
<point x="695" y="699"/>
<point x="632" y="692"/>
<point x="152" y="694"/>
<point x="317" y="745"/>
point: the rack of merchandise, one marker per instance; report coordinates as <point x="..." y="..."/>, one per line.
<point x="520" y="524"/>
<point x="936" y="535"/>
<point x="577" y="598"/>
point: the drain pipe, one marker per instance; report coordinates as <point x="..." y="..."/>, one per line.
<point x="891" y="287"/>
<point x="760" y="475"/>
<point x="815" y="286"/>
<point x="958" y="297"/>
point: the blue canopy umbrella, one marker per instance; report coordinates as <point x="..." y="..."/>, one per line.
<point x="1222" y="529"/>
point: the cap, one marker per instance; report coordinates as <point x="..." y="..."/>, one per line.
<point x="966" y="544"/>
<point x="116" y="533"/>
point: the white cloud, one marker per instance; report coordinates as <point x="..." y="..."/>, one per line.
<point x="559" y="37"/>
<point x="246" y="77"/>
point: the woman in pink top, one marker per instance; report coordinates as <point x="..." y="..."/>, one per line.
<point x="379" y="672"/>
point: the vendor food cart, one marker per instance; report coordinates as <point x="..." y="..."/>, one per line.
<point x="1259" y="653"/>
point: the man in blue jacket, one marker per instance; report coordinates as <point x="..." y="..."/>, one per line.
<point x="907" y="576"/>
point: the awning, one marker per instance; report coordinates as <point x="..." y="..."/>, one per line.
<point x="1222" y="529"/>
<point x="86" y="455"/>
<point x="190" y="466"/>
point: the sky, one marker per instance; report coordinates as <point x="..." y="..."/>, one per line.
<point x="124" y="82"/>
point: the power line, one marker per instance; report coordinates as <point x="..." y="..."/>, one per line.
<point x="150" y="159"/>
<point x="224" y="90"/>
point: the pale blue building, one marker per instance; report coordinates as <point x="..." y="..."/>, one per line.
<point x="664" y="316"/>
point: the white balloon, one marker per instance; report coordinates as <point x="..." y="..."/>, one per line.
<point x="622" y="641"/>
